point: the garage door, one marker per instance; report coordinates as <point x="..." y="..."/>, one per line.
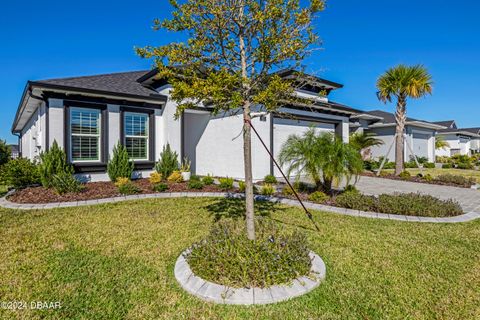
<point x="420" y="144"/>
<point x="283" y="128"/>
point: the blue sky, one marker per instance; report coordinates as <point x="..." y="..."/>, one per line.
<point x="50" y="39"/>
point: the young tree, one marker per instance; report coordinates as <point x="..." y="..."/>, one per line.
<point x="363" y="142"/>
<point x="441" y="143"/>
<point x="229" y="59"/>
<point x="402" y="82"/>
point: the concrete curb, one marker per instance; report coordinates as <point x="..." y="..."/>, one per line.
<point x="310" y="205"/>
<point x="212" y="292"/>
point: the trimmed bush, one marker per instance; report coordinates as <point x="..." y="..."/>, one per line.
<point x="53" y="162"/>
<point x="207" y="180"/>
<point x="267" y="190"/>
<point x="405" y="175"/>
<point x="125" y="186"/>
<point x="410" y="164"/>
<point x="456" y="179"/>
<point x="19" y="173"/>
<point x="64" y="182"/>
<point x="447" y="166"/>
<point x="428" y="177"/>
<point x="429" y="165"/>
<point x="227" y="257"/>
<point x="270" y="179"/>
<point x="195" y="184"/>
<point x="355" y="200"/>
<point x="155" y="178"/>
<point x="176" y="176"/>
<point x="168" y="162"/>
<point x="464" y="166"/>
<point x="120" y="165"/>
<point x="160" y="187"/>
<point x="318" y="197"/>
<point x="226" y="183"/>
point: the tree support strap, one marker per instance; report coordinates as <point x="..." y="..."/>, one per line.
<point x="309" y="215"/>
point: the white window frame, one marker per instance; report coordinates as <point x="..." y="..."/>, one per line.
<point x="98" y="135"/>
<point x="147" y="130"/>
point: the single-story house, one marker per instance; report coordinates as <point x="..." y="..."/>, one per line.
<point x="461" y="141"/>
<point x="420" y="134"/>
<point x="88" y="115"/>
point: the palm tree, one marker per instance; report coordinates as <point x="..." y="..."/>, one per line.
<point x="321" y="156"/>
<point x="362" y="141"/>
<point x="402" y="82"/>
<point x="440" y="143"/>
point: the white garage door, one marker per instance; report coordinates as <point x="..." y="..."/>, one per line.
<point x="283" y="128"/>
<point x="420" y="144"/>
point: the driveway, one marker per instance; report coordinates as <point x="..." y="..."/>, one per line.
<point x="469" y="199"/>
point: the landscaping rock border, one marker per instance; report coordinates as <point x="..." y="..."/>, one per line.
<point x="310" y="205"/>
<point x="212" y="292"/>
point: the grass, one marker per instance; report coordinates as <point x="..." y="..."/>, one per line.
<point x="438" y="171"/>
<point x="115" y="261"/>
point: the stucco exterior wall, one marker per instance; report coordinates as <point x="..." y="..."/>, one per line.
<point x="33" y="135"/>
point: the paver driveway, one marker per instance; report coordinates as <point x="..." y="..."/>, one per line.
<point x="469" y="199"/>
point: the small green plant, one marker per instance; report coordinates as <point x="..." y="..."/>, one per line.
<point x="119" y="165"/>
<point x="207" y="180"/>
<point x="53" y="162"/>
<point x="241" y="187"/>
<point x="429" y="165"/>
<point x="168" y="161"/>
<point x="464" y="166"/>
<point x="350" y="188"/>
<point x="155" y="178"/>
<point x="19" y="173"/>
<point x="125" y="186"/>
<point x="176" y="176"/>
<point x="225" y="183"/>
<point x="318" y="197"/>
<point x="447" y="166"/>
<point x="195" y="177"/>
<point x="195" y="184"/>
<point x="160" y="187"/>
<point x="428" y="177"/>
<point x="227" y="257"/>
<point x="185" y="165"/>
<point x="64" y="182"/>
<point x="287" y="191"/>
<point x="270" y="179"/>
<point x="405" y="175"/>
<point x="267" y="189"/>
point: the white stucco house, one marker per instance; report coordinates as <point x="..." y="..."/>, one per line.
<point x="420" y="134"/>
<point x="464" y="141"/>
<point x="88" y="115"/>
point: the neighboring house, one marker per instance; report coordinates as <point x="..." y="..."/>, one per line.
<point x="460" y="141"/>
<point x="14" y="151"/>
<point x="88" y="115"/>
<point x="420" y="134"/>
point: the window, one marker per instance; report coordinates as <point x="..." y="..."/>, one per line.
<point x="84" y="134"/>
<point x="136" y="135"/>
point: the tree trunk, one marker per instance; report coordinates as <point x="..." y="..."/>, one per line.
<point x="400" y="117"/>
<point x="247" y="157"/>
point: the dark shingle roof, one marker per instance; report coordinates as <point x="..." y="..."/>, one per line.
<point x="122" y="83"/>
<point x="472" y="130"/>
<point x="447" y="123"/>
<point x="387" y="116"/>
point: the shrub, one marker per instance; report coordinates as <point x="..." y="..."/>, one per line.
<point x="195" y="177"/>
<point x="287" y="191"/>
<point x="176" y="176"/>
<point x="429" y="165"/>
<point x="64" y="182"/>
<point x="226" y="183"/>
<point x="442" y="159"/>
<point x="447" y="166"/>
<point x="428" y="177"/>
<point x="370" y="165"/>
<point x="416" y="204"/>
<point x="355" y="200"/>
<point x="19" y="173"/>
<point x="53" y="162"/>
<point x="125" y="186"/>
<point x="464" y="166"/>
<point x="410" y="164"/>
<point x="389" y="165"/>
<point x="241" y="187"/>
<point x="269" y="178"/>
<point x="456" y="179"/>
<point x="227" y="257"/>
<point x="350" y="188"/>
<point x="119" y="165"/>
<point x="160" y="187"/>
<point x="405" y="175"/>
<point x="155" y="178"/>
<point x="168" y="162"/>
<point x="207" y="180"/>
<point x="5" y="152"/>
<point x="267" y="189"/>
<point x="318" y="197"/>
<point x="195" y="184"/>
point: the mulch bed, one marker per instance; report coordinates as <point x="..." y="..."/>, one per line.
<point x="416" y="179"/>
<point x="96" y="190"/>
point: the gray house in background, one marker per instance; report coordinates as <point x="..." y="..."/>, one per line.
<point x="420" y="134"/>
<point x="464" y="141"/>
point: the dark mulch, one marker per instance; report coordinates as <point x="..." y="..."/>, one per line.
<point x="95" y="190"/>
<point x="416" y="179"/>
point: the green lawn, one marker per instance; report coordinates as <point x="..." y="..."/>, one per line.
<point x="435" y="172"/>
<point x="115" y="261"/>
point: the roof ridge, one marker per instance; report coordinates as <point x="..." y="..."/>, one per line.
<point x="94" y="76"/>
